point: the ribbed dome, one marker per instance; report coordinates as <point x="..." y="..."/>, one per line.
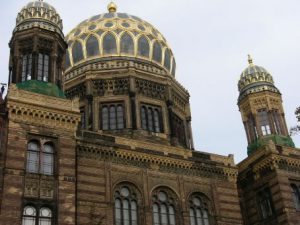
<point x="39" y="14"/>
<point x="254" y="79"/>
<point x="121" y="35"/>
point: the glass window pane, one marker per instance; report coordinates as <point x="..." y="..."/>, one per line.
<point x="120" y="117"/>
<point x="118" y="211"/>
<point x="112" y="117"/>
<point x="77" y="52"/>
<point x="126" y="212"/>
<point x="32" y="161"/>
<point x="157" y="52"/>
<point x="192" y="217"/>
<point x="40" y="66"/>
<point x="144" y="118"/>
<point x="33" y="146"/>
<point x="199" y="217"/>
<point x="127" y="45"/>
<point x="163" y="214"/>
<point x="109" y="44"/>
<point x="156" y="121"/>
<point x="150" y="119"/>
<point x="155" y="214"/>
<point x="143" y="47"/>
<point x="29" y="67"/>
<point x="167" y="62"/>
<point x="28" y="221"/>
<point x="92" y="46"/>
<point x="133" y="212"/>
<point x="47" y="164"/>
<point x="171" y="215"/>
<point x="68" y="62"/>
<point x="48" y="148"/>
<point x="173" y="67"/>
<point x="44" y="221"/>
<point x="105" y="118"/>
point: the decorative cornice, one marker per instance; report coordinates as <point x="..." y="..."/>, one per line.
<point x="42" y="110"/>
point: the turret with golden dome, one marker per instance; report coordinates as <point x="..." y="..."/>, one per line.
<point x="255" y="79"/>
<point x="37" y="47"/>
<point x="261" y="107"/>
<point x="39" y="14"/>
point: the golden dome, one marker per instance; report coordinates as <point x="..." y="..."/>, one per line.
<point x="255" y="79"/>
<point x="118" y="35"/>
<point x="39" y="14"/>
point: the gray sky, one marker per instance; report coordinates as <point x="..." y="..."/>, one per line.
<point x="210" y="40"/>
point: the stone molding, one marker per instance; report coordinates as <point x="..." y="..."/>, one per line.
<point x="42" y="110"/>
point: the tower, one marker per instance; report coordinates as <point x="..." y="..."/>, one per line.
<point x="37" y="46"/>
<point x="260" y="104"/>
<point x="268" y="179"/>
<point x="38" y="124"/>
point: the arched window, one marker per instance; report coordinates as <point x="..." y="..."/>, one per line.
<point x="33" y="157"/>
<point x="157" y="52"/>
<point x="143" y="47"/>
<point x="109" y="44"/>
<point x="77" y="52"/>
<point x="34" y="216"/>
<point x="126" y="205"/>
<point x="68" y="62"/>
<point x="127" y="45"/>
<point x="265" y="204"/>
<point x="164" y="207"/>
<point x="252" y="128"/>
<point x="26" y="67"/>
<point x="47" y="159"/>
<point x="296" y="195"/>
<point x="199" y="210"/>
<point x="112" y="116"/>
<point x="173" y="67"/>
<point x="29" y="216"/>
<point x="277" y="122"/>
<point x="43" y="67"/>
<point x="167" y="62"/>
<point x="92" y="46"/>
<point x="179" y="129"/>
<point x="151" y="118"/>
<point x="40" y="159"/>
<point x="264" y="122"/>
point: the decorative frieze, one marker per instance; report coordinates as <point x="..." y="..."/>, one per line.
<point x="118" y="86"/>
<point x="150" y="89"/>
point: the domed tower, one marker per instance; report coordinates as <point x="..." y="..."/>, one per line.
<point x="123" y="70"/>
<point x="261" y="107"/>
<point x="37" y="45"/>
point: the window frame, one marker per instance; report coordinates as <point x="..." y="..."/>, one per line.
<point x="265" y="204"/>
<point x="42" y="73"/>
<point x="151" y="118"/>
<point x="295" y="191"/>
<point x="204" y="206"/>
<point x="133" y="198"/>
<point x="164" y="198"/>
<point x="38" y="217"/>
<point x="41" y="164"/>
<point x="113" y="116"/>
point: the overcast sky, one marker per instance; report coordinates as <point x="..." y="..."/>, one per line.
<point x="210" y="40"/>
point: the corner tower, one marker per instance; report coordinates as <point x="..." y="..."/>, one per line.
<point x="260" y="104"/>
<point x="37" y="46"/>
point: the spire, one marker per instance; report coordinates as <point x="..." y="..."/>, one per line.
<point x="250" y="61"/>
<point x="112" y="7"/>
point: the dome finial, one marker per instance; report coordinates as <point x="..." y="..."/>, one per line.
<point x="112" y="7"/>
<point x="250" y="61"/>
